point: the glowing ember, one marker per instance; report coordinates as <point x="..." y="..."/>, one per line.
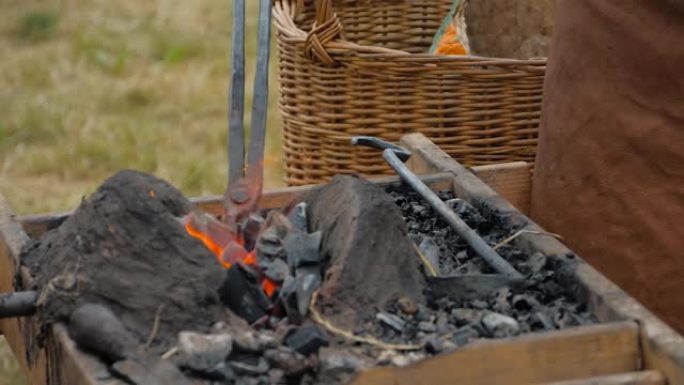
<point x="227" y="246"/>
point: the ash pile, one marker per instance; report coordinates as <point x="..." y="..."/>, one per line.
<point x="347" y="278"/>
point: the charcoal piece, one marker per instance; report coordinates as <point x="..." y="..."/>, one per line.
<point x="303" y="249"/>
<point x="365" y="239"/>
<point x="298" y="218"/>
<point x="250" y="230"/>
<point x="467" y="212"/>
<point x="525" y="302"/>
<point x="428" y="247"/>
<point x="392" y="321"/>
<point x="288" y="298"/>
<point x="308" y="280"/>
<point x="222" y="373"/>
<point x="291" y="362"/>
<point x="500" y="325"/>
<point x="306" y="339"/>
<point x="269" y="244"/>
<point x="243" y="295"/>
<point x="341" y="361"/>
<point x="463" y="316"/>
<point x="466" y="287"/>
<point x="537" y="262"/>
<point x="464" y="335"/>
<point x="427" y="327"/>
<point x="203" y="352"/>
<point x="95" y="328"/>
<point x="276" y="376"/>
<point x="127" y="248"/>
<point x="434" y="345"/>
<point x="501" y="300"/>
<point x="277" y="271"/>
<point x="248" y="365"/>
<point x="540" y="321"/>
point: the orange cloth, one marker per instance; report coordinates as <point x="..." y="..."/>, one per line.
<point x="449" y="43"/>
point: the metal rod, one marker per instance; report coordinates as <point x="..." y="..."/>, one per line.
<point x="395" y="157"/>
<point x="236" y="97"/>
<point x="462" y="229"/>
<point x="18" y="304"/>
<point x="255" y="155"/>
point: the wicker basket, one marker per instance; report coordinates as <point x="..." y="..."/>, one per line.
<point x="359" y="68"/>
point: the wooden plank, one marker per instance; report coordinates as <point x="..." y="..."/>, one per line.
<point x="663" y="348"/>
<point x="649" y="377"/>
<point x="34" y="225"/>
<point x="534" y="358"/>
<point x="513" y="181"/>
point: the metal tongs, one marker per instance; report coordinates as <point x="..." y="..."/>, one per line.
<point x="245" y="181"/>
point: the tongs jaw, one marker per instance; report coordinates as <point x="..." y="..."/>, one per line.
<point x="245" y="181"/>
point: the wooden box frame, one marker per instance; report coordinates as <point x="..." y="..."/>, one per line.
<point x="631" y="346"/>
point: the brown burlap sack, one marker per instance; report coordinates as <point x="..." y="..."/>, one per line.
<point x="610" y="165"/>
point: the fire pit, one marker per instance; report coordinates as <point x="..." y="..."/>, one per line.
<point x="180" y="306"/>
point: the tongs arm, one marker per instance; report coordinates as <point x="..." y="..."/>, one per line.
<point x="245" y="182"/>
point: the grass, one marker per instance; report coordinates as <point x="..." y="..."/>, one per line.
<point x="91" y="87"/>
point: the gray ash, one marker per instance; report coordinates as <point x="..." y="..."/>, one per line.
<point x="545" y="301"/>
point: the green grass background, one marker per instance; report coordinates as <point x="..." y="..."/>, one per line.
<point x="90" y="87"/>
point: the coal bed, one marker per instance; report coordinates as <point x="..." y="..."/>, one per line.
<point x="348" y="277"/>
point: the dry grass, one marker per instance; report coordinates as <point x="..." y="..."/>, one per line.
<point x="91" y="87"/>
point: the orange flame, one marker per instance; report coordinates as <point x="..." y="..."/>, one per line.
<point x="233" y="249"/>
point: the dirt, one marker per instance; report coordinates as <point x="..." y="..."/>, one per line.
<point x="370" y="258"/>
<point x="125" y="247"/>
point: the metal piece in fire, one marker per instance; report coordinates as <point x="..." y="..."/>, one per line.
<point x="395" y="157"/>
<point x="245" y="181"/>
<point x="18" y="304"/>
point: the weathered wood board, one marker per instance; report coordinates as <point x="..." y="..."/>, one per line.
<point x="529" y="359"/>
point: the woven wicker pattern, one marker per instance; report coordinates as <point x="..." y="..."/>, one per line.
<point x="358" y="67"/>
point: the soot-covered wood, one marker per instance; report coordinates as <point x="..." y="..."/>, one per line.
<point x="127" y="248"/>
<point x="371" y="259"/>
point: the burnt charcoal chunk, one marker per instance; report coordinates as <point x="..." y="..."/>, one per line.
<point x="298" y="218"/>
<point x="243" y="295"/>
<point x="277" y="271"/>
<point x="306" y="339"/>
<point x="303" y="249"/>
<point x="249" y="365"/>
<point x="288" y="360"/>
<point x="392" y="321"/>
<point x="308" y="280"/>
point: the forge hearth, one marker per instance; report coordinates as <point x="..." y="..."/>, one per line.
<point x="347" y="277"/>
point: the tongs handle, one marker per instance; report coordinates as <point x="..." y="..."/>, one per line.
<point x="245" y="181"/>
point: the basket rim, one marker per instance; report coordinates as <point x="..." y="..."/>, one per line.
<point x="285" y="11"/>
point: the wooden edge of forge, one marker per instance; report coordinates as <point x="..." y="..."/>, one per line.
<point x="511" y="180"/>
<point x="646" y="377"/>
<point x="569" y="354"/>
<point x="662" y="347"/>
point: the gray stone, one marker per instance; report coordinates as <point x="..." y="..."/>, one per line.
<point x="203" y="351"/>
<point x="500" y="325"/>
